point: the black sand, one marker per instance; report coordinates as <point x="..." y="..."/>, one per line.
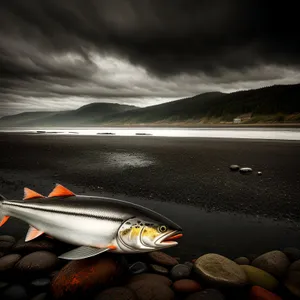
<point x="192" y="172"/>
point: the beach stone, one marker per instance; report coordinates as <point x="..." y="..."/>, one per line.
<point x="162" y="258"/>
<point x="37" y="262"/>
<point x="7" y="262"/>
<point x="42" y="296"/>
<point x="245" y="170"/>
<point x="117" y="293"/>
<point x="159" y="269"/>
<point x="234" y="167"/>
<point x="242" y="261"/>
<point x="292" y="281"/>
<point x="147" y="290"/>
<point x="273" y="262"/>
<point x="186" y="286"/>
<point x="259" y="293"/>
<point x="23" y="247"/>
<point x="6" y="243"/>
<point x="160" y="279"/>
<point x="189" y="264"/>
<point x="7" y="238"/>
<point x="138" y="268"/>
<point x="180" y="271"/>
<point x="14" y="292"/>
<point x="208" y="294"/>
<point x="261" y="278"/>
<point x="219" y="270"/>
<point x="80" y="276"/>
<point x="41" y="283"/>
<point x="293" y="254"/>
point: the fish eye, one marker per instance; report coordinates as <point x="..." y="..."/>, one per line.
<point x="162" y="228"/>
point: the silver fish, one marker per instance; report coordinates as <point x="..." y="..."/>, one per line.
<point x="96" y="224"/>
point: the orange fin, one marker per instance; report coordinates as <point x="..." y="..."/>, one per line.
<point x="111" y="247"/>
<point x="4" y="220"/>
<point x="60" y="191"/>
<point x="32" y="234"/>
<point x="30" y="194"/>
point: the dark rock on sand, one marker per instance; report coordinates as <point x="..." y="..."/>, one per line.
<point x="186" y="286"/>
<point x="7" y="262"/>
<point x="261" y="278"/>
<point x="42" y="296"/>
<point x="79" y="277"/>
<point x="14" y="292"/>
<point x="180" y="271"/>
<point x="162" y="258"/>
<point x="259" y="293"/>
<point x="23" y="247"/>
<point x="6" y="243"/>
<point x="138" y="268"/>
<point x="159" y="269"/>
<point x="220" y="271"/>
<point x="36" y="263"/>
<point x="117" y="293"/>
<point x="293" y="254"/>
<point x="292" y="281"/>
<point x="245" y="170"/>
<point x="242" y="261"/>
<point x="160" y="279"/>
<point x="234" y="167"/>
<point x="208" y="294"/>
<point x="273" y="262"/>
<point x="147" y="290"/>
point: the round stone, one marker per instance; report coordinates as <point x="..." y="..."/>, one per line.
<point x="7" y="262"/>
<point x="14" y="292"/>
<point x="159" y="279"/>
<point x="234" y="167"/>
<point x="7" y="238"/>
<point x="162" y="258"/>
<point x="261" y="278"/>
<point x="37" y="263"/>
<point x="186" y="286"/>
<point x="242" y="261"/>
<point x="138" y="268"/>
<point x="273" y="262"/>
<point x="245" y="170"/>
<point x="41" y="283"/>
<point x="146" y="290"/>
<point x="189" y="264"/>
<point x="117" y="293"/>
<point x="159" y="269"/>
<point x="42" y="296"/>
<point x="36" y="245"/>
<point x="219" y="270"/>
<point x="208" y="294"/>
<point x="292" y="281"/>
<point x="6" y="243"/>
<point x="293" y="254"/>
<point x="180" y="271"/>
<point x="259" y="293"/>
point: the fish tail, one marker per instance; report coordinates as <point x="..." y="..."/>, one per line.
<point x="3" y="216"/>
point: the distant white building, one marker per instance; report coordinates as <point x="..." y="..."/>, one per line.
<point x="237" y="120"/>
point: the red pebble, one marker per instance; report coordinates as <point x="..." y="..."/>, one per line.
<point x="258" y="293"/>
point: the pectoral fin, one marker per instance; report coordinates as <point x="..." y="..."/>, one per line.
<point x="83" y="252"/>
<point x="32" y="234"/>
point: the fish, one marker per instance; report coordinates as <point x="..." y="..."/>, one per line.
<point x="93" y="224"/>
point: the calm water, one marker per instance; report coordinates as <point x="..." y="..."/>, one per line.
<point x="240" y="133"/>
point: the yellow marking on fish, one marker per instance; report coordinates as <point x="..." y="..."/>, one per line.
<point x="150" y="232"/>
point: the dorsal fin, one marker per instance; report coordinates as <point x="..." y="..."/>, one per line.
<point x="30" y="194"/>
<point x="32" y="234"/>
<point x="60" y="191"/>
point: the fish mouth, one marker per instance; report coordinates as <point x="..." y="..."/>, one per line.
<point x="169" y="238"/>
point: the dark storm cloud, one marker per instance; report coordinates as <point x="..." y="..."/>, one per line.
<point x="63" y="49"/>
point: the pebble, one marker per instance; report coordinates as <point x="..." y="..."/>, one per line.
<point x="245" y="170"/>
<point x="147" y="290"/>
<point x="180" y="271"/>
<point x="14" y="292"/>
<point x="42" y="296"/>
<point x="6" y="243"/>
<point x="219" y="270"/>
<point x="138" y="268"/>
<point x="38" y="262"/>
<point x="23" y="247"/>
<point x="189" y="264"/>
<point x="261" y="278"/>
<point x="259" y="293"/>
<point x="292" y="281"/>
<point x="274" y="262"/>
<point x="80" y="276"/>
<point x="7" y="238"/>
<point x="186" y="286"/>
<point x="41" y="283"/>
<point x="117" y="293"/>
<point x="242" y="261"/>
<point x="152" y="278"/>
<point x="7" y="262"/>
<point x="159" y="269"/>
<point x="234" y="167"/>
<point x="208" y="294"/>
<point x="162" y="258"/>
<point x="293" y="254"/>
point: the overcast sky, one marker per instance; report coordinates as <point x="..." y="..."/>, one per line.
<point x="62" y="54"/>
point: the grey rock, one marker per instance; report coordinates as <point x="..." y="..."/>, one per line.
<point x="117" y="293"/>
<point x="138" y="268"/>
<point x="189" y="264"/>
<point x="234" y="167"/>
<point x="273" y="262"/>
<point x="40" y="283"/>
<point x="208" y="294"/>
<point x="245" y="170"/>
<point x="14" y="292"/>
<point x="180" y="271"/>
<point x="159" y="269"/>
<point x="293" y="254"/>
<point x="7" y="262"/>
<point x="242" y="261"/>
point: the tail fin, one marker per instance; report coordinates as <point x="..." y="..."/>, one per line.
<point x="3" y="217"/>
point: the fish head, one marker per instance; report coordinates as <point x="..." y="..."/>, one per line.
<point x="142" y="235"/>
